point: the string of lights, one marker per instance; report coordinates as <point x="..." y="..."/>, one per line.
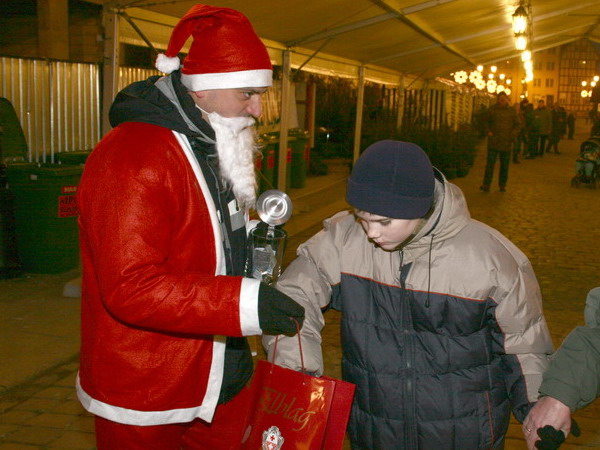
<point x="490" y="80"/>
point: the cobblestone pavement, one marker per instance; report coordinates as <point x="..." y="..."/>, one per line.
<point x="554" y="224"/>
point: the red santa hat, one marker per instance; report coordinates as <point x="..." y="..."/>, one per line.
<point x="225" y="52"/>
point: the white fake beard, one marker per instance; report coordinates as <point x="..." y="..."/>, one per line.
<point x="236" y="149"/>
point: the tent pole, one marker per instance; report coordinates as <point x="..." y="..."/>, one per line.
<point x="359" y="113"/>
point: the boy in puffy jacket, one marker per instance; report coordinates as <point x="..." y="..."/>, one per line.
<point x="442" y="328"/>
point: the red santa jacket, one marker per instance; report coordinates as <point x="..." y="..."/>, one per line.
<point x="155" y="305"/>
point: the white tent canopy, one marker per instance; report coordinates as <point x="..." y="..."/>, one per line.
<point x="388" y="37"/>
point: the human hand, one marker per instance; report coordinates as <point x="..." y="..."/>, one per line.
<point x="547" y="411"/>
<point x="278" y="313"/>
<point x="552" y="439"/>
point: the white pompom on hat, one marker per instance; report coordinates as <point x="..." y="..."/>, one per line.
<point x="225" y="51"/>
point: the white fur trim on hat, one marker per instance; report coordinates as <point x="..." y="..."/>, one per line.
<point x="167" y="64"/>
<point x="228" y="80"/>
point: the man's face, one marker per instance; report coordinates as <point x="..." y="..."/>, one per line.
<point x="238" y="102"/>
<point x="385" y="232"/>
<point x="503" y="100"/>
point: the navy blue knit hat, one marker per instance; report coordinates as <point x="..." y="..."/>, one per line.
<point x="392" y="179"/>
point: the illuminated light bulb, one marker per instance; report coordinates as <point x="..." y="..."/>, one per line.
<point x="520" y="20"/>
<point x="502" y="76"/>
<point x="584" y="83"/>
<point x="480" y="68"/>
<point x="493" y="69"/>
<point x="526" y="55"/>
<point x="521" y="42"/>
<point x="508" y="81"/>
<point x="584" y="94"/>
<point x="508" y="91"/>
<point x="460" y="77"/>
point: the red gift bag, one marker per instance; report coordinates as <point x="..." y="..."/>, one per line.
<point x="296" y="410"/>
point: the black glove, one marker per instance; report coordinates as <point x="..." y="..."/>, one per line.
<point x="551" y="439"/>
<point x="278" y="313"/>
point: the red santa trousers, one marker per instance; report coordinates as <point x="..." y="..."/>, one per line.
<point x="223" y="433"/>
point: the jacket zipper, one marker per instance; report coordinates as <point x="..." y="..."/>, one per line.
<point x="409" y="404"/>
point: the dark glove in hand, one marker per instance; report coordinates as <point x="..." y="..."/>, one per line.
<point x="278" y="313"/>
<point x="551" y="439"/>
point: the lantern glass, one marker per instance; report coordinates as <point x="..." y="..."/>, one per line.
<point x="520" y="20"/>
<point x="521" y="42"/>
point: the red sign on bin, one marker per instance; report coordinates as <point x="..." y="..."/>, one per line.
<point x="67" y="206"/>
<point x="289" y="155"/>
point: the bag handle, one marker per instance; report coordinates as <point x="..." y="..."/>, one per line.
<point x="299" y="345"/>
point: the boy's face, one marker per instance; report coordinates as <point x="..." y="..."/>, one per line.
<point x="387" y="233"/>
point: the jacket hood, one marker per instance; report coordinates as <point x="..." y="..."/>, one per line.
<point x="143" y="101"/>
<point x="450" y="215"/>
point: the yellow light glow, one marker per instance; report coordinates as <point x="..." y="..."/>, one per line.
<point x="493" y="69"/>
<point x="519" y="20"/>
<point x="526" y="56"/>
<point x="502" y="76"/>
<point x="521" y="42"/>
<point x="480" y="68"/>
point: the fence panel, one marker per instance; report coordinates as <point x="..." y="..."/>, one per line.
<point x="57" y="104"/>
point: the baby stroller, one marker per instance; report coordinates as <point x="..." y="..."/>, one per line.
<point x="587" y="165"/>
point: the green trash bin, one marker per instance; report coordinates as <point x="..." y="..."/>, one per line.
<point x="46" y="215"/>
<point x="76" y="158"/>
<point x="269" y="145"/>
<point x="288" y="175"/>
<point x="299" y="157"/>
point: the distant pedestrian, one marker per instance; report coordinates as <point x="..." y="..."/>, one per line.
<point x="570" y="125"/>
<point x="502" y="125"/>
<point x="521" y="142"/>
<point x="544" y="118"/>
<point x="479" y="120"/>
<point x="559" y="126"/>
<point x="591" y="116"/>
<point x="532" y="128"/>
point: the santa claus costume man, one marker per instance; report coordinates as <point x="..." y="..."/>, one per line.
<point x="164" y="202"/>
